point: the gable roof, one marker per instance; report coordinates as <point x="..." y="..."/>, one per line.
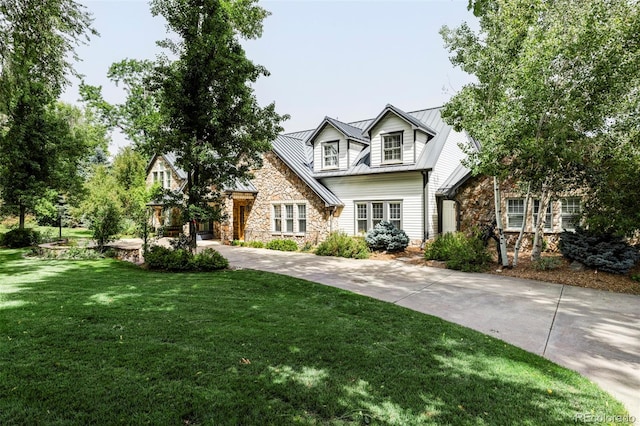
<point x="170" y="159"/>
<point x="347" y="130"/>
<point x="403" y="115"/>
<point x="293" y="152"/>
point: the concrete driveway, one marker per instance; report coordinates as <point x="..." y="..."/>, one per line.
<point x="594" y="332"/>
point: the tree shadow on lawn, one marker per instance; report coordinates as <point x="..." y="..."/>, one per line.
<point x="243" y="347"/>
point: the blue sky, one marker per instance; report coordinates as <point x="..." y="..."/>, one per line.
<point x="344" y="59"/>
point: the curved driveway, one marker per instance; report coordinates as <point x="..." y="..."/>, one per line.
<point x="594" y="332"/>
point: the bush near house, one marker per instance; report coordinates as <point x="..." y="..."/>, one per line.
<point x="342" y="245"/>
<point x="176" y="260"/>
<point x="385" y="236"/>
<point x="282" y="245"/>
<point x="460" y="252"/>
<point x="604" y="252"/>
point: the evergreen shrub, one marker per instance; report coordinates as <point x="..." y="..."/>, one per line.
<point x="604" y="252"/>
<point x="385" y="236"/>
<point x="282" y="245"/>
<point x="209" y="260"/>
<point x="342" y="245"/>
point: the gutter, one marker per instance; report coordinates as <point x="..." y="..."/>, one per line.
<point x="425" y="206"/>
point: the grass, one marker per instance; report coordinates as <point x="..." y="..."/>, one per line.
<point x="53" y="231"/>
<point x="104" y="342"/>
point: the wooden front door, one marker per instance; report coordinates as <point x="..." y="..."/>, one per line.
<point x="239" y="219"/>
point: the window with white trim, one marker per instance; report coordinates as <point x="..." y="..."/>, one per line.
<point x="162" y="176"/>
<point x="570" y="213"/>
<point x="289" y="218"/>
<point x="330" y="155"/>
<point x="515" y="212"/>
<point x="370" y="213"/>
<point x="392" y="147"/>
<point x="547" y="217"/>
<point x="302" y="218"/>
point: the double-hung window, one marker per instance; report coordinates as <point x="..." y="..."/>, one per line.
<point x="330" y="155"/>
<point x="289" y="218"/>
<point x="515" y="213"/>
<point x="547" y="216"/>
<point x="392" y="148"/>
<point x="570" y="212"/>
<point x="370" y="213"/>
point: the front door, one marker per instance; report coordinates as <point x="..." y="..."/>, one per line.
<point x="239" y="219"/>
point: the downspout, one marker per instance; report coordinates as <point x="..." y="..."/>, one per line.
<point x="425" y="207"/>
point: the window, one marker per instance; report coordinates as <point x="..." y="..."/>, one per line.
<point x="361" y="217"/>
<point x="547" y="218"/>
<point x="570" y="213"/>
<point x="370" y="213"/>
<point x="377" y="213"/>
<point x="290" y="218"/>
<point x="394" y="215"/>
<point x="330" y="154"/>
<point x="515" y="212"/>
<point x="392" y="147"/>
<point x="277" y="218"/>
<point x="162" y="177"/>
<point x="302" y="218"/>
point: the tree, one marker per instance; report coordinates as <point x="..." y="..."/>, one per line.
<point x="129" y="172"/>
<point x="211" y="119"/>
<point x="548" y="77"/>
<point x="138" y="117"/>
<point x="101" y="208"/>
<point x="37" y="148"/>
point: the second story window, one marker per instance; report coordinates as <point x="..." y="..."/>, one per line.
<point x="330" y="154"/>
<point x="392" y="147"/>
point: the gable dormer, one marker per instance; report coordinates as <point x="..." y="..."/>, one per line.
<point x="336" y="145"/>
<point x="397" y="138"/>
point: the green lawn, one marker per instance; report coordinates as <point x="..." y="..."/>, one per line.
<point x="53" y="231"/>
<point x="104" y="342"/>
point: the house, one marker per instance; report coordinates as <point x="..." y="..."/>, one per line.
<point x="339" y="176"/>
<point x="469" y="201"/>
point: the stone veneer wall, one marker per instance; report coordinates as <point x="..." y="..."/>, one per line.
<point x="161" y="166"/>
<point x="275" y="182"/>
<point x="475" y="205"/>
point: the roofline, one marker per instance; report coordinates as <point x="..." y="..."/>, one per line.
<point x="327" y="204"/>
<point x="370" y="171"/>
<point x="403" y="115"/>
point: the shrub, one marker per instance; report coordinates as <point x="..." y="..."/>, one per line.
<point x="636" y="277"/>
<point x="209" y="260"/>
<point x="166" y="259"/>
<point x="254" y="244"/>
<point x="18" y="238"/>
<point x="176" y="260"/>
<point x="547" y="263"/>
<point x="385" y="236"/>
<point x="341" y="245"/>
<point x="106" y="221"/>
<point x="459" y="251"/>
<point x="604" y="252"/>
<point x="237" y="243"/>
<point x="282" y="245"/>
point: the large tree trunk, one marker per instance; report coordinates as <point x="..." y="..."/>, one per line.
<point x="504" y="260"/>
<point x="23" y="213"/>
<point x="524" y="224"/>
<point x="538" y="237"/>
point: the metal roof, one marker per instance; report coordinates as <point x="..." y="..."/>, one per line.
<point x="406" y="117"/>
<point x="449" y="187"/>
<point x="293" y="152"/>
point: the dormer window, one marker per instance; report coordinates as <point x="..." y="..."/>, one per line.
<point x="330" y="155"/>
<point x="392" y="147"/>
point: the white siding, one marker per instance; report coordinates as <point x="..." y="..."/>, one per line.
<point x="329" y="134"/>
<point x="354" y="150"/>
<point x="392" y="123"/>
<point x="421" y="142"/>
<point x="404" y="187"/>
<point x="449" y="159"/>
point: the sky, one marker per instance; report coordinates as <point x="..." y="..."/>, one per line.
<point x="336" y="58"/>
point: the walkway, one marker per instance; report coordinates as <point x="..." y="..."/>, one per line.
<point x="594" y="332"/>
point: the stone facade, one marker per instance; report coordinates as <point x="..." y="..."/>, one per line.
<point x="276" y="183"/>
<point x="475" y="208"/>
